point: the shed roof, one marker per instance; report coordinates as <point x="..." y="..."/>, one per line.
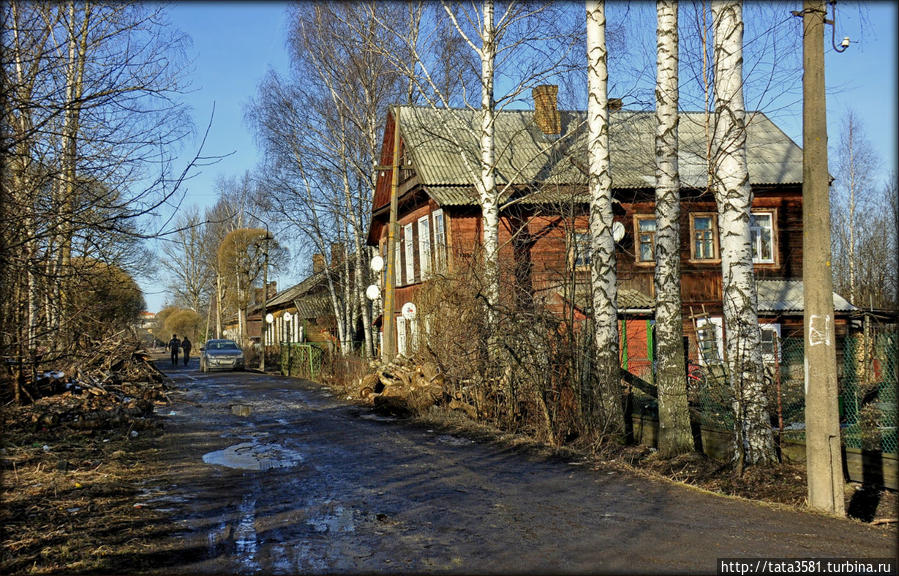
<point x="442" y="145"/>
<point x="786" y="296"/>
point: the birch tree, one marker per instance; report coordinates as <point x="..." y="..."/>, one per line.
<point x="514" y="42"/>
<point x="675" y="436"/>
<point x="854" y="195"/>
<point x="321" y="131"/>
<point x="93" y="112"/>
<point x="607" y="390"/>
<point x="753" y="438"/>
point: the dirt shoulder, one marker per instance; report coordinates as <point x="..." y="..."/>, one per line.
<point x="781" y="484"/>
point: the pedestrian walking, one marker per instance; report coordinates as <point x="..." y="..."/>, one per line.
<point x="173" y="346"/>
<point x="186" y="346"/>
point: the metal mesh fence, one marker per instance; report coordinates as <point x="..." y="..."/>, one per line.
<point x="868" y="392"/>
<point x="301" y="360"/>
<point x="867" y="388"/>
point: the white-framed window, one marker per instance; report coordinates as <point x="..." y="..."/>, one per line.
<point x="770" y="341"/>
<point x="413" y="329"/>
<point x="424" y="247"/>
<point x="401" y="335"/>
<point x="398" y="262"/>
<point x="439" y="241"/>
<point x="761" y="227"/>
<point x="580" y="249"/>
<point x="410" y="253"/>
<point x="645" y="235"/>
<point x="710" y="339"/>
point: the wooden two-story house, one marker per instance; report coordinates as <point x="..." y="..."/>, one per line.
<point x="541" y="160"/>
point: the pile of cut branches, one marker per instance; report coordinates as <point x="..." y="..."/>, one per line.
<point x="107" y="384"/>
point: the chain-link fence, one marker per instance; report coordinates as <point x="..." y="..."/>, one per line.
<point x="868" y="392"/>
<point x="867" y="388"/>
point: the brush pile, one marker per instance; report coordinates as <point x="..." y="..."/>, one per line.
<point x="111" y="384"/>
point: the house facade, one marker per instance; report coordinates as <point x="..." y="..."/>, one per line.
<point x="545" y="208"/>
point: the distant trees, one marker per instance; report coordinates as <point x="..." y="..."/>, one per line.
<point x="242" y="256"/>
<point x="191" y="273"/>
<point x="863" y="216"/>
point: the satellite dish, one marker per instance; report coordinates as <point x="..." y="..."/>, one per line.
<point x="287" y="316"/>
<point x="409" y="311"/>
<point x="617" y="231"/>
<point x="373" y="292"/>
<point x="269" y="318"/>
<point x="377" y="264"/>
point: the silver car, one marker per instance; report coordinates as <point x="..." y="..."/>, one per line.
<point x="221" y="355"/>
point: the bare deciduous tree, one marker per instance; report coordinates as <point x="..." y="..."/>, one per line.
<point x="607" y="391"/>
<point x="675" y="436"/>
<point x="186" y="262"/>
<point x="754" y="443"/>
<point x="854" y="214"/>
<point x="88" y="113"/>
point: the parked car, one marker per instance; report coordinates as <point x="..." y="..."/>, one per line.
<point x="221" y="355"/>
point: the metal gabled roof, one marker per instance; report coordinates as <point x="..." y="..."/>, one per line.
<point x="442" y="145"/>
<point x="287" y="295"/>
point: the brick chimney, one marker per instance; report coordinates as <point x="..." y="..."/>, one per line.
<point x="337" y="253"/>
<point x="546" y="115"/>
<point x="318" y="263"/>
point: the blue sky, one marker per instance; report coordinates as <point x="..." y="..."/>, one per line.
<point x="235" y="43"/>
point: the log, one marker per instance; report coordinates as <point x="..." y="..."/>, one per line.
<point x="468" y="409"/>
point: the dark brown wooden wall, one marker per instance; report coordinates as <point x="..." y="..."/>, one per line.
<point x="534" y="244"/>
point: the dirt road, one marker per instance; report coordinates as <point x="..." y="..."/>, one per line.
<point x="272" y="475"/>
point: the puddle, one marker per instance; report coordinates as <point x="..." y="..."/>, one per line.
<point x="454" y="440"/>
<point x="241" y="409"/>
<point x="245" y="542"/>
<point x="377" y="418"/>
<point x="252" y="456"/>
<point x="337" y="520"/>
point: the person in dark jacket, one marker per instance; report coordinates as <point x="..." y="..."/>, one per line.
<point x="186" y="346"/>
<point x="173" y="346"/>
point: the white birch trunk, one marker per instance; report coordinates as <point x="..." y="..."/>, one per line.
<point x="487" y="184"/>
<point x="753" y="437"/>
<point x="675" y="436"/>
<point x="607" y="390"/>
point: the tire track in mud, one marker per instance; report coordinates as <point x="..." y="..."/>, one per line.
<point x="347" y="491"/>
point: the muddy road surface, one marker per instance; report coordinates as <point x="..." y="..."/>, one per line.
<point x="262" y="474"/>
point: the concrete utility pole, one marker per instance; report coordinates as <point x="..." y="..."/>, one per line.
<point x="264" y="328"/>
<point x="822" y="426"/>
<point x="388" y="348"/>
